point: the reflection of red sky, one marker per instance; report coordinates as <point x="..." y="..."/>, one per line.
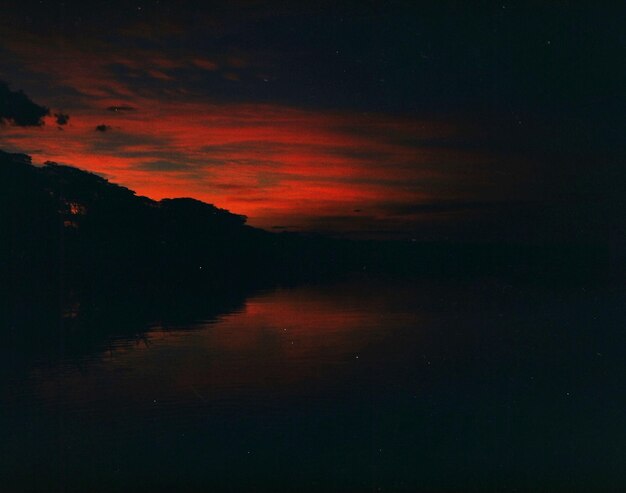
<point x="280" y="341"/>
<point x="275" y="164"/>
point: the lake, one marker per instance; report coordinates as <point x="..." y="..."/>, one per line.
<point x="351" y="385"/>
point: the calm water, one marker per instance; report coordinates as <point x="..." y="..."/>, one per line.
<point x="352" y="386"/>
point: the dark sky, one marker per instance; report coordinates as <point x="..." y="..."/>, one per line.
<point x="498" y="120"/>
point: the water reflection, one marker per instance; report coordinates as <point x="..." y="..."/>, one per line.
<point x="280" y="342"/>
<point x="352" y="386"/>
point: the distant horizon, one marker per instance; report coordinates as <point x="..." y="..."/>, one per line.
<point x="354" y="235"/>
<point x="366" y="234"/>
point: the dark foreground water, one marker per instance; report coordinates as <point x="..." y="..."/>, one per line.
<point x="480" y="385"/>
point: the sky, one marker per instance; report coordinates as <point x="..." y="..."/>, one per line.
<point x="495" y="121"/>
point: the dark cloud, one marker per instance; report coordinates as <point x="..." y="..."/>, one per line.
<point x="129" y="145"/>
<point x="121" y="108"/>
<point x="449" y="207"/>
<point x="103" y="128"/>
<point x="18" y="109"/>
<point x="62" y="119"/>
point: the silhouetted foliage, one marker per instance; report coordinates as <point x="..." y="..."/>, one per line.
<point x="72" y="243"/>
<point x="17" y="108"/>
<point x="65" y="225"/>
<point x="70" y="235"/>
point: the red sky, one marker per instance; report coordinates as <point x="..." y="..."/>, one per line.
<point x="280" y="165"/>
<point x="351" y="122"/>
<point x="277" y="165"/>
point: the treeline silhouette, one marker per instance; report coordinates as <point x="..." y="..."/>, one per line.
<point x="80" y="250"/>
<point x="72" y="243"/>
<point x="65" y="225"/>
